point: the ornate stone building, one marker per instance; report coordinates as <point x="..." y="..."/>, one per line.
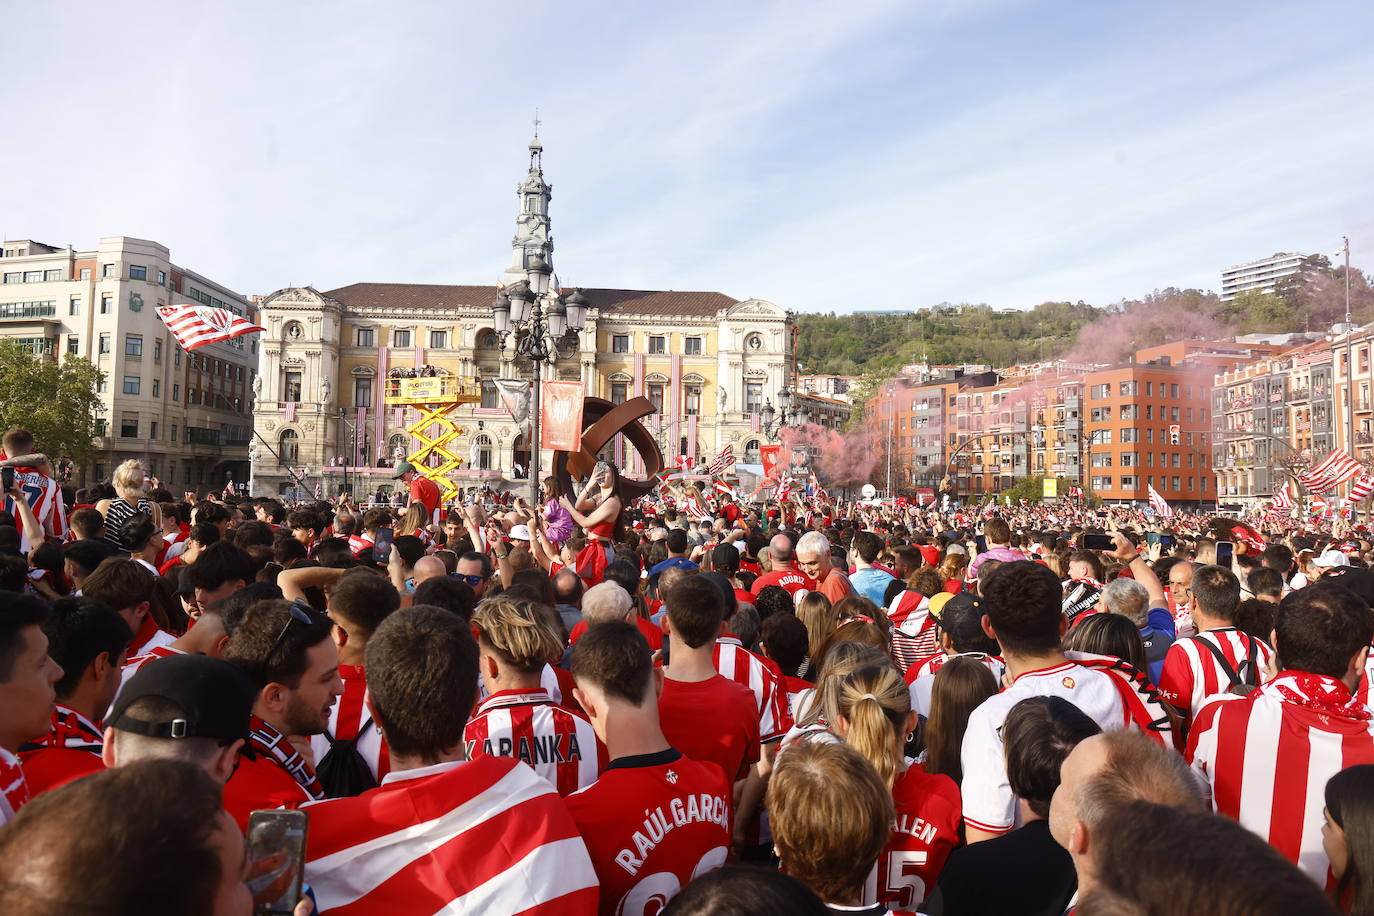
<point x="709" y="361"/>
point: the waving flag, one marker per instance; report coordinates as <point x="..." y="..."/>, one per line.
<point x="1284" y="498"/>
<point x="725" y="459"/>
<point x="194" y="326"/>
<point x="1334" y="470"/>
<point x="1160" y="504"/>
<point x="1362" y="488"/>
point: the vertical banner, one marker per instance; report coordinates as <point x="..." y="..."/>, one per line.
<point x="515" y="397"/>
<point x="360" y="438"/>
<point x="379" y="392"/>
<point x="675" y="404"/>
<point x="692" y="440"/>
<point x="560" y="416"/>
<point x="770" y="456"/>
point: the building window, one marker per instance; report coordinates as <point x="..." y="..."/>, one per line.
<point x="1149" y="411"/>
<point x="751" y="452"/>
<point x="618" y="391"/>
<point x="1129" y="412"/>
<point x="103" y="385"/>
<point x="1130" y="434"/>
<point x="138" y="272"/>
<point x="157" y="387"/>
<point x="133" y="346"/>
<point x="293" y="387"/>
<point x="1129" y="483"/>
<point x="658" y="345"/>
<point x="1099" y="483"/>
<point x="104" y="343"/>
<point x="73" y="344"/>
<point x="86" y="275"/>
<point x="693" y="400"/>
<point x="33" y="276"/>
<point x="691" y="346"/>
<point x="656" y="396"/>
<point x="438" y="340"/>
<point x="491" y="399"/>
<point x="1176" y="485"/>
<point x="289" y="447"/>
<point x="362" y="392"/>
<point x="367" y="337"/>
<point x="174" y="432"/>
<point x="176" y="358"/>
<point x="483" y="444"/>
<point x="74" y="306"/>
<point x="1129" y="389"/>
<point x="162" y="278"/>
<point x="176" y="392"/>
<point x="107" y="270"/>
<point x="128" y="426"/>
<point x="753" y="397"/>
<point x="14" y="277"/>
<point x="106" y="303"/>
<point x="620" y="343"/>
<point x="152" y="430"/>
<point x="400" y="339"/>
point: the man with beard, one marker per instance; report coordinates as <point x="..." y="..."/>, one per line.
<point x="287" y="650"/>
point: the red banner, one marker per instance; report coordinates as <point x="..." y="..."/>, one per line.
<point x="560" y="416"/>
<point x="771" y="456"/>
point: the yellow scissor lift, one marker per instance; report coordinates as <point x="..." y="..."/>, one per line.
<point x="435" y="397"/>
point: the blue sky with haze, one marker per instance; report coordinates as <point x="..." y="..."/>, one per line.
<point x="863" y="154"/>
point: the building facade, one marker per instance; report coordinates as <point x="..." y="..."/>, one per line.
<point x="186" y="415"/>
<point x="707" y="361"/>
<point x="1260" y="276"/>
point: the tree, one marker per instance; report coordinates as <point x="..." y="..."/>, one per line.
<point x="57" y="402"/>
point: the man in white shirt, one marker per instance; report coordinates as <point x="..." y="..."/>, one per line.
<point x="1024" y="614"/>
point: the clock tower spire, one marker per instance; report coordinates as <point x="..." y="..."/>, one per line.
<point x="532" y="235"/>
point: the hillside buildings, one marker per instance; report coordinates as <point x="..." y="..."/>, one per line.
<point x="1258" y="276"/>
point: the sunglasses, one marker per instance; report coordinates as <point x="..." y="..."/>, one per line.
<point x="300" y="612"/>
<point x="473" y="579"/>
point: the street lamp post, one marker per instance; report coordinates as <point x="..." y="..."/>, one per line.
<point x="547" y="326"/>
<point x="774" y="421"/>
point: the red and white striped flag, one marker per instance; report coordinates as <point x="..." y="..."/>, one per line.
<point x="725" y="459"/>
<point x="1284" y="498"/>
<point x="1361" y="488"/>
<point x="194" y="326"/>
<point x="1160" y="504"/>
<point x="1076" y="492"/>
<point x="1334" y="470"/>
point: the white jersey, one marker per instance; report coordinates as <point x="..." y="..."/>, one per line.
<point x="44" y="497"/>
<point x="989" y="803"/>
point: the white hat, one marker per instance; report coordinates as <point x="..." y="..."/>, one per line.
<point x="520" y="533"/>
<point x="1330" y="559"/>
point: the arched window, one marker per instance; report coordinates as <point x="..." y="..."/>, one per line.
<point x="482" y="448"/>
<point x="751" y="452"/>
<point x="289" y="447"/>
<point x="397" y="446"/>
<point x="486" y="338"/>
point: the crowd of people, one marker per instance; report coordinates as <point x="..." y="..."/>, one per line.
<point x="677" y="704"/>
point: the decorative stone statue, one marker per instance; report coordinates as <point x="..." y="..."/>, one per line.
<point x="325" y="389"/>
<point x="722" y="396"/>
<point x="257" y="387"/>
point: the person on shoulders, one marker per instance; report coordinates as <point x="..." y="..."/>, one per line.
<point x="648" y="786"/>
<point x="441" y="833"/>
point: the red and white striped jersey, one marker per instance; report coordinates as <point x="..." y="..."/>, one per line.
<point x="148" y="638"/>
<point x="526" y="725"/>
<point x="925" y="833"/>
<point x="913" y="629"/>
<point x="1267" y="757"/>
<point x="348" y="716"/>
<point x="652" y="823"/>
<point x="14" y="791"/>
<point x="796" y="688"/>
<point x="71" y="749"/>
<point x="357" y="543"/>
<point x="44" y="497"/>
<point x="920" y="677"/>
<point x="1362" y="692"/>
<point x="133" y="665"/>
<point x="1192" y="673"/>
<point x="483" y="836"/>
<point x="763" y="677"/>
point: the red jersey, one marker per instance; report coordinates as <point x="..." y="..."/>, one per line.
<point x="715" y="720"/>
<point x="148" y="638"/>
<point x="763" y="678"/>
<point x="652" y="634"/>
<point x="794" y="687"/>
<point x="44" y="497"/>
<point x="526" y="725"/>
<point x="276" y="776"/>
<point x="1267" y="757"/>
<point x="1192" y="673"/>
<point x="346" y="720"/>
<point x="929" y="812"/>
<point x="357" y="543"/>
<point x="70" y="750"/>
<point x="426" y="492"/>
<point x="483" y="836"/>
<point x="652" y="823"/>
<point x="796" y="583"/>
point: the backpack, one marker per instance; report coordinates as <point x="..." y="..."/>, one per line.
<point x="342" y="771"/>
<point x="1246" y="678"/>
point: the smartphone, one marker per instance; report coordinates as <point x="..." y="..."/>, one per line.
<point x="276" y="847"/>
<point x="1225" y="552"/>
<point x="982" y="543"/>
<point x="1167" y="541"/>
<point x="381" y="553"/>
<point x="7" y="479"/>
<point x="1098" y="542"/>
<point x="1152" y="538"/>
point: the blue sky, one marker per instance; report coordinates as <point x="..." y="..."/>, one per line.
<point x="826" y="156"/>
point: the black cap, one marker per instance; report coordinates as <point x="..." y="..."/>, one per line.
<point x="184" y="586"/>
<point x="215" y="695"/>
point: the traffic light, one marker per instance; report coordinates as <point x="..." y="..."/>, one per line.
<point x="1173" y="434"/>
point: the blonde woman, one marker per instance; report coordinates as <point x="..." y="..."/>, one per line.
<point x="414" y="522"/>
<point x="131" y="489"/>
<point x="815" y="611"/>
<point x="843" y="658"/>
<point x="870" y="708"/>
<point x="515" y="641"/>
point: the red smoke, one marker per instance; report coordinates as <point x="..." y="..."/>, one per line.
<point x="845" y="459"/>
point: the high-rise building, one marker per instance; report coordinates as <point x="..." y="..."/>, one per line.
<point x="185" y="415"/>
<point x="1258" y="276"/>
<point x="709" y="362"/>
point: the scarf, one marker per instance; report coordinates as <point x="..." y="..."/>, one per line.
<point x="1324" y="695"/>
<point x="72" y="730"/>
<point x="14" y="791"/>
<point x="266" y="740"/>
